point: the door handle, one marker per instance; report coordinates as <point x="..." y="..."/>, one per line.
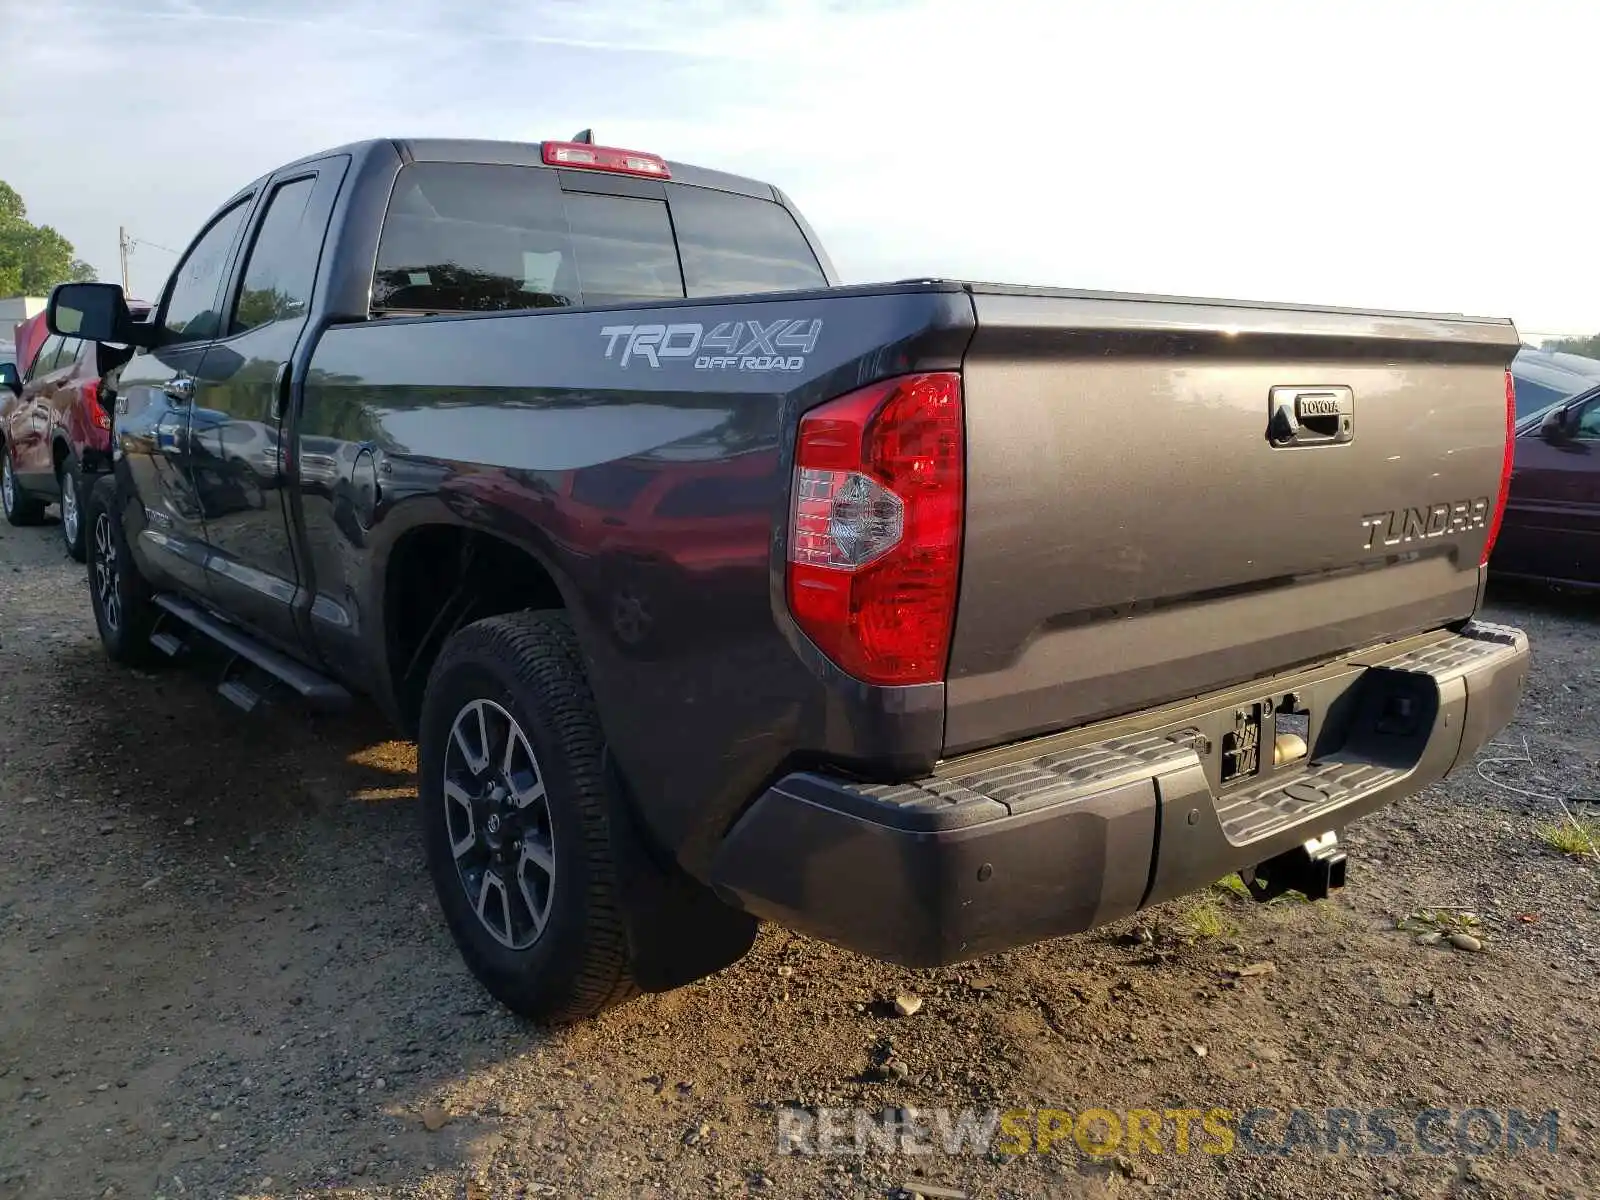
<point x="179" y="388"/>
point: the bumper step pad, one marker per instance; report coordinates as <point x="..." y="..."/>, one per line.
<point x="1258" y="813"/>
<point x="1247" y="813"/>
<point x="1019" y="787"/>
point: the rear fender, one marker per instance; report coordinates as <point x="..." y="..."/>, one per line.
<point x="371" y="618"/>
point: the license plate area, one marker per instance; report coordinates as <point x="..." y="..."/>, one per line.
<point x="1261" y="737"/>
<point x="1241" y="745"/>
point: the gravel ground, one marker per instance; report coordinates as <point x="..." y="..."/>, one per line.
<point x="222" y="974"/>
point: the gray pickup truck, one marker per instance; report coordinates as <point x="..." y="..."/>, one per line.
<point x="927" y="618"/>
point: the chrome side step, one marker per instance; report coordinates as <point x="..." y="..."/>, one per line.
<point x="239" y="693"/>
<point x="309" y="685"/>
<point x="169" y="644"/>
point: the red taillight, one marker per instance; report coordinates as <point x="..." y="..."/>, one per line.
<point x="91" y="400"/>
<point x="875" y="527"/>
<point x="605" y="158"/>
<point x="1507" y="458"/>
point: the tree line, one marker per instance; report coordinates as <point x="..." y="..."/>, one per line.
<point x="33" y="258"/>
<point x="1589" y="347"/>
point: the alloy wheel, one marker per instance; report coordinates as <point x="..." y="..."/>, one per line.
<point x="69" y="507"/>
<point x="8" y="487"/>
<point x="498" y="819"/>
<point x="107" y="572"/>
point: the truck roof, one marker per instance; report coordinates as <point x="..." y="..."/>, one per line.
<point x="525" y="154"/>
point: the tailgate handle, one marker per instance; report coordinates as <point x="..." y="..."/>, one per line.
<point x="1311" y="416"/>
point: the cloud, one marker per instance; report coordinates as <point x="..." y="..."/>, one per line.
<point x="1354" y="153"/>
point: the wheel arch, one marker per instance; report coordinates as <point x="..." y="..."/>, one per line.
<point x="441" y="572"/>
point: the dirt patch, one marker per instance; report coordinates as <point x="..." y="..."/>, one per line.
<point x="222" y="974"/>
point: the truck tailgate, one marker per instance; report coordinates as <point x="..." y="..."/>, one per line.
<point x="1134" y="532"/>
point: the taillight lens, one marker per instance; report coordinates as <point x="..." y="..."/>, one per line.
<point x="95" y="406"/>
<point x="1508" y="458"/>
<point x="875" y="527"/>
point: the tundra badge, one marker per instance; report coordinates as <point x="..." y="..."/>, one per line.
<point x="1420" y="524"/>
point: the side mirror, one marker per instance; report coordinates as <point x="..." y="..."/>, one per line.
<point x="10" y="379"/>
<point x="95" y="312"/>
<point x="1554" y="426"/>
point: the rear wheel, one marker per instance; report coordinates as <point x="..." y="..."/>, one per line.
<point x="124" y="606"/>
<point x="72" y="483"/>
<point x="20" y="508"/>
<point x="514" y="818"/>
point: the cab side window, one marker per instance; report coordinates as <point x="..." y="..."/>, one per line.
<point x="191" y="312"/>
<point x="282" y="265"/>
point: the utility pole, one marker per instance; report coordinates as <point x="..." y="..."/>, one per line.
<point x="122" y="249"/>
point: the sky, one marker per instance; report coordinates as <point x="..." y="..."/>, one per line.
<point x="1405" y="154"/>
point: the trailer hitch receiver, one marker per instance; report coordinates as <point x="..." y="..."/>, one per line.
<point x="1314" y="868"/>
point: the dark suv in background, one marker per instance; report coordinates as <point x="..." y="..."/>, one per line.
<point x="55" y="426"/>
<point x="1551" y="531"/>
<point x="1544" y="378"/>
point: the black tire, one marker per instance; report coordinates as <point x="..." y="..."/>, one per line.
<point x="72" y="482"/>
<point x="19" y="507"/>
<point x="527" y="666"/>
<point x="125" y="626"/>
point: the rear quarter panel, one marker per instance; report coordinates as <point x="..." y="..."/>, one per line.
<point x="539" y="429"/>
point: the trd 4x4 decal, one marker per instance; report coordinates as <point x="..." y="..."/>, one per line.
<point x="731" y="346"/>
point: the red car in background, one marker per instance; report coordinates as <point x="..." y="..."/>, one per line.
<point x="55" y="424"/>
<point x="29" y="335"/>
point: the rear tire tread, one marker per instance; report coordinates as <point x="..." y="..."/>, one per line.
<point x="77" y="550"/>
<point x="130" y="646"/>
<point x="542" y="652"/>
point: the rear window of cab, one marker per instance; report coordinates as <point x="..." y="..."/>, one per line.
<point x="476" y="237"/>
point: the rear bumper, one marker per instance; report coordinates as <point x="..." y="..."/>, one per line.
<point x="1064" y="833"/>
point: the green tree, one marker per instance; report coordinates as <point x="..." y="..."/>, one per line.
<point x="33" y="258"/>
<point x="1589" y="347"/>
<point x="262" y="306"/>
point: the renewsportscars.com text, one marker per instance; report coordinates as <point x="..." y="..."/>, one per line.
<point x="1377" y="1132"/>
